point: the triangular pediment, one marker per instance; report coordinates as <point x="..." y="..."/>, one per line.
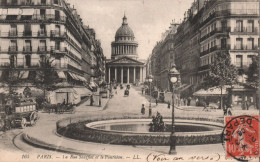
<point x="125" y="60"/>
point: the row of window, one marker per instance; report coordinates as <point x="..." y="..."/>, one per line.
<point x="28" y="2"/>
<point x="250" y="45"/>
<point x="28" y="30"/>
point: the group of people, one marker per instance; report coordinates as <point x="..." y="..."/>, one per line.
<point x="185" y="101"/>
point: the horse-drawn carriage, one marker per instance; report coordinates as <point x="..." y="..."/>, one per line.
<point x="18" y="112"/>
<point x="58" y="108"/>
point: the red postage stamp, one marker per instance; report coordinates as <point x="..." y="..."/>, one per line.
<point x="241" y="137"/>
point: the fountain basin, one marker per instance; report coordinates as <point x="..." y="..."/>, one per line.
<point x="136" y="132"/>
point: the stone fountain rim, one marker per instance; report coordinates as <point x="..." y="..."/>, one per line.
<point x="208" y="123"/>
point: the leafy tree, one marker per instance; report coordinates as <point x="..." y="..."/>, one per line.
<point x="253" y="73"/>
<point x="46" y="76"/>
<point x="222" y="72"/>
<point x="12" y="78"/>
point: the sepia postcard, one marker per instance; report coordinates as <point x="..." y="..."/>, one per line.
<point x="129" y="80"/>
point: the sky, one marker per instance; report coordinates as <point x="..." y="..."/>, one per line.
<point x="147" y="18"/>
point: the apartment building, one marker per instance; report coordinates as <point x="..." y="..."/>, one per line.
<point x="212" y="26"/>
<point x="31" y="30"/>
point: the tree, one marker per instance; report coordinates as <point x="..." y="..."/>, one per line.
<point x="222" y="72"/>
<point x="46" y="76"/>
<point x="12" y="78"/>
<point x="253" y="73"/>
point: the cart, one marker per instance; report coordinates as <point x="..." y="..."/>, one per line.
<point x="20" y="113"/>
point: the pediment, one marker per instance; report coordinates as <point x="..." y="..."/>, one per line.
<point x="125" y="60"/>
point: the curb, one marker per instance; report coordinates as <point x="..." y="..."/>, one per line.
<point x="35" y="142"/>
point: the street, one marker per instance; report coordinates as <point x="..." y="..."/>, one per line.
<point x="119" y="105"/>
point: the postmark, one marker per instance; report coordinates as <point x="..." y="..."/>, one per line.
<point x="241" y="137"/>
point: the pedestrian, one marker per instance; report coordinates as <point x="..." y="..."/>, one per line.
<point x="91" y="100"/>
<point x="189" y="100"/>
<point x="100" y="101"/>
<point x="142" y="90"/>
<point x="205" y="106"/>
<point x="169" y="105"/>
<point x="246" y="104"/>
<point x="184" y="101"/>
<point x="64" y="102"/>
<point x="156" y="101"/>
<point x="143" y="109"/>
<point x="197" y="102"/>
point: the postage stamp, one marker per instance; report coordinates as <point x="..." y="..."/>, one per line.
<point x="241" y="137"/>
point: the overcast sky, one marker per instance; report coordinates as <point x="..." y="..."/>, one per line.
<point x="147" y="18"/>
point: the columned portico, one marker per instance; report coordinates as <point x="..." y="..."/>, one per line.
<point x="124" y="66"/>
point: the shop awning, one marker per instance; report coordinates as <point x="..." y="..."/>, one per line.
<point x="13" y="11"/>
<point x="93" y="84"/>
<point x="28" y="12"/>
<point x="24" y="74"/>
<point x="82" y="79"/>
<point x="73" y="76"/>
<point x="61" y="75"/>
<point x="214" y="91"/>
<point x="82" y="91"/>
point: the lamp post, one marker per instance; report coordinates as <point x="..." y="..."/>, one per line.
<point x="173" y="76"/>
<point x="150" y="80"/>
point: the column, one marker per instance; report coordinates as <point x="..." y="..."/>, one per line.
<point x="108" y="74"/>
<point x="122" y="74"/>
<point x="116" y="74"/>
<point x="127" y="75"/>
<point x="134" y="74"/>
<point x="127" y="51"/>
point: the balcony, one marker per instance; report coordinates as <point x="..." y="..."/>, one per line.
<point x="215" y="48"/>
<point x="57" y="34"/>
<point x="4" y="64"/>
<point x="49" y="17"/>
<point x="27" y="33"/>
<point x="42" y="33"/>
<point x="12" y="34"/>
<point x="244" y="48"/>
<point x="244" y="64"/>
<point x="27" y="49"/>
<point x="42" y="49"/>
<point x="58" y="50"/>
<point x="245" y="30"/>
<point x="12" y="49"/>
<point x="217" y="30"/>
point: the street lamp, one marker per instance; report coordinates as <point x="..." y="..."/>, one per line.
<point x="150" y="80"/>
<point x="173" y="76"/>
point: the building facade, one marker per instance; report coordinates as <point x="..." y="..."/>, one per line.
<point x="124" y="66"/>
<point x="33" y="30"/>
<point x="162" y="58"/>
<point x="210" y="27"/>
